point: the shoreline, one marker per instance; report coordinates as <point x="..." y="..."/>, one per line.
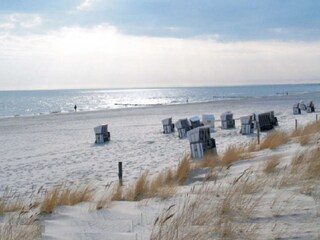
<point x="139" y="106"/>
<point x="119" y="105"/>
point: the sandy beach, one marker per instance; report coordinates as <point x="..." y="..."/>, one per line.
<point x="45" y="150"/>
<point x="39" y="153"/>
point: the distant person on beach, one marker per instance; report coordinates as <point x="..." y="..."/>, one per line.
<point x="187" y="100"/>
<point x="75" y="108"/>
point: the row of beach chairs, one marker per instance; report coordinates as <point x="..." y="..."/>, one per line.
<point x="198" y="132"/>
<point x="302" y="106"/>
<point x="265" y="121"/>
<point x="248" y="123"/>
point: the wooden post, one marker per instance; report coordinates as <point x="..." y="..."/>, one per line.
<point x="120" y="172"/>
<point x="296" y="124"/>
<point x="258" y="131"/>
<point x="316" y="117"/>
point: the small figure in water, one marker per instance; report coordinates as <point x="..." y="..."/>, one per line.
<point x="75" y="108"/>
<point x="187" y="100"/>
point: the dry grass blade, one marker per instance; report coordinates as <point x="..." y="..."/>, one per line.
<point x="11" y="205"/>
<point x="15" y="228"/>
<point x="209" y="160"/>
<point x="141" y="186"/>
<point x="161" y="187"/>
<point x="304" y="168"/>
<point x="211" y="175"/>
<point x="183" y="170"/>
<point x="205" y="215"/>
<point x="233" y="153"/>
<point x="104" y="200"/>
<point x="313" y="165"/>
<point x="51" y="200"/>
<point x="60" y="195"/>
<point x="116" y="193"/>
<point x="307" y="130"/>
<point x="253" y="146"/>
<point x="80" y="194"/>
<point x="304" y="140"/>
<point x="271" y="164"/>
<point x="274" y="140"/>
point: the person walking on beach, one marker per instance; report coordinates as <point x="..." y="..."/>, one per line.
<point x="75" y="108"/>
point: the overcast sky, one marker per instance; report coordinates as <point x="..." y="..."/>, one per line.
<point x="57" y="44"/>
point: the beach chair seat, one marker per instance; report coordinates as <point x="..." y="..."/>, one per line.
<point x="208" y="120"/>
<point x="168" y="126"/>
<point x="273" y="119"/>
<point x="102" y="134"/>
<point x="302" y="106"/>
<point x="265" y="122"/>
<point x="296" y="109"/>
<point x="195" y="122"/>
<point x="227" y="120"/>
<point x="247" y="126"/>
<point x="310" y="107"/>
<point x="182" y="126"/>
<point x="201" y="142"/>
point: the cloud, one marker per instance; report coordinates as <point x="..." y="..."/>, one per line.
<point x="20" y="20"/>
<point x="7" y="26"/>
<point x="86" y="4"/>
<point x="102" y="56"/>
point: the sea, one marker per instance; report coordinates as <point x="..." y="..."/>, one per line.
<point x="38" y="102"/>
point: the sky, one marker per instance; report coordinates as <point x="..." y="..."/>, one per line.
<point x="72" y="44"/>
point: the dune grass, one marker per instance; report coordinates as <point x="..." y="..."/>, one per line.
<point x="19" y="227"/>
<point x="233" y="153"/>
<point x="271" y="164"/>
<point x="204" y="215"/>
<point x="211" y="175"/>
<point x="304" y="140"/>
<point x="304" y="134"/>
<point x="209" y="160"/>
<point x="252" y="146"/>
<point x="139" y="189"/>
<point x="61" y="195"/>
<point x="306" y="165"/>
<point x="274" y="140"/>
<point x="313" y="165"/>
<point x="183" y="170"/>
<point x="304" y="169"/>
<point x="310" y="128"/>
<point x="116" y="194"/>
<point x="162" y="185"/>
<point x="228" y="211"/>
<point x="104" y="200"/>
<point x="11" y="204"/>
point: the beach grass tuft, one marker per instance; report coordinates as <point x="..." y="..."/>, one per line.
<point x="183" y="170"/>
<point x="141" y="187"/>
<point x="20" y="227"/>
<point x="61" y="195"/>
<point x="274" y="140"/>
<point x="271" y="164"/>
<point x="233" y="153"/>
<point x="11" y="204"/>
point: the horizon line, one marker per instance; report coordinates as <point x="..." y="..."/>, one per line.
<point x="156" y="87"/>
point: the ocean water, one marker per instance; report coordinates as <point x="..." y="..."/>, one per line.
<point x="28" y="103"/>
